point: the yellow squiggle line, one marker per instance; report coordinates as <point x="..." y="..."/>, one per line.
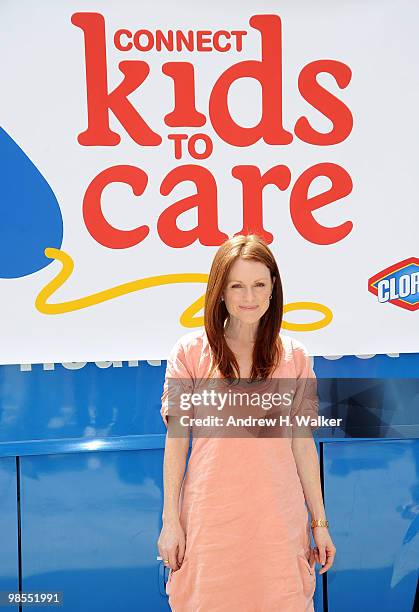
<point x="317" y="307"/>
<point x="187" y="319"/>
<point x="101" y="296"/>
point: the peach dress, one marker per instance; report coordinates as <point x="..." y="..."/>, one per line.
<point x="242" y="508"/>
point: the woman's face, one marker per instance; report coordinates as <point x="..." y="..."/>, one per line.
<point x="247" y="291"/>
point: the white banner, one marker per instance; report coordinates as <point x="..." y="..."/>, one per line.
<point x="137" y="137"/>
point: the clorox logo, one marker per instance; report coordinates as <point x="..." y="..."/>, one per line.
<point x="398" y="284"/>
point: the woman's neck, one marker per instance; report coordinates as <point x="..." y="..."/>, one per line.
<point x="241" y="333"/>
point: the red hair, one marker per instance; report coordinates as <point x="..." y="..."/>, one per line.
<point x="267" y="349"/>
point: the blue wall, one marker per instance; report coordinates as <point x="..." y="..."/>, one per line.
<point x="81" y="449"/>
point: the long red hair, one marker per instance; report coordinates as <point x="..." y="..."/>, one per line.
<point x="267" y="350"/>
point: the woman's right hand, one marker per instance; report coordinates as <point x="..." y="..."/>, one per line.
<point x="171" y="544"/>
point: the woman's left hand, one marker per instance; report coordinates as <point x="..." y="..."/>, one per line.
<point x="325" y="550"/>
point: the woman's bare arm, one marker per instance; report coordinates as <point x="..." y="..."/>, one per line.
<point x="307" y="462"/>
<point x="172" y="540"/>
<point x="175" y="453"/>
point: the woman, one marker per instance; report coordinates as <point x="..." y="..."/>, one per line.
<point x="235" y="530"/>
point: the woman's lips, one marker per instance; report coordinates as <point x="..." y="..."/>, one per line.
<point x="248" y="307"/>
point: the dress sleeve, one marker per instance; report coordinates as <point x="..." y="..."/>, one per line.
<point x="306" y="401"/>
<point x="178" y="379"/>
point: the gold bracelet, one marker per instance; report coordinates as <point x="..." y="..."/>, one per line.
<point x="319" y="523"/>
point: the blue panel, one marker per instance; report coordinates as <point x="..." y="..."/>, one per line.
<point x="87" y="401"/>
<point x="8" y="527"/>
<point x="91" y="519"/>
<point x="405" y="365"/>
<point x="372" y="501"/>
<point x="90" y="524"/>
<point x="370" y="407"/>
<point x="73" y="404"/>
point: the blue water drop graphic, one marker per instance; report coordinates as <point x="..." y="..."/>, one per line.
<point x="30" y="214"/>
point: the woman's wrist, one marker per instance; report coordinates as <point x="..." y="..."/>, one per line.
<point x="170" y="518"/>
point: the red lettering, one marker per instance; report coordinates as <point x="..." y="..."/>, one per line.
<point x="238" y="34"/>
<point x="177" y="139"/>
<point x="167" y="41"/>
<point x="99" y="100"/>
<point x="96" y="224"/>
<point x="184" y="112"/>
<point x="183" y="41"/>
<point x="268" y="72"/>
<point x="203" y="37"/>
<point x="301" y="206"/>
<point x="208" y="146"/>
<point x="150" y="40"/>
<point x="117" y="40"/>
<point x="205" y="201"/>
<point x="253" y="183"/>
<point x="330" y="106"/>
<point x="216" y="41"/>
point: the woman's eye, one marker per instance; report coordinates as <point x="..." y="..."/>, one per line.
<point x="238" y="286"/>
